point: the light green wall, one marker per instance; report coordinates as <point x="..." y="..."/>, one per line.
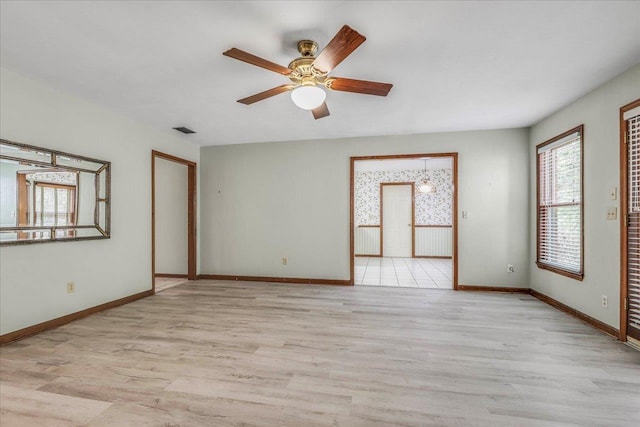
<point x="33" y="278"/>
<point x="599" y="112"/>
<point x="263" y="202"/>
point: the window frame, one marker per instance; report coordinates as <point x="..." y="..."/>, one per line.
<point x="73" y="191"/>
<point x="541" y="263"/>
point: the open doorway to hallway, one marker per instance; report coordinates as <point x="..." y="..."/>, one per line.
<point x="403" y="217"/>
<point x="173" y="221"/>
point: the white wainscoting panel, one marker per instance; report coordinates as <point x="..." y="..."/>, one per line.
<point x="434" y="241"/>
<point x="367" y="240"/>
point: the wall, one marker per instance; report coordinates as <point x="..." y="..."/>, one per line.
<point x="171" y="217"/>
<point x="267" y="201"/>
<point x="599" y="112"/>
<point x="33" y="277"/>
<point x="430" y="209"/>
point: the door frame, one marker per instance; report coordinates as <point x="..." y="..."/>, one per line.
<point x="191" y="214"/>
<point x="411" y="185"/>
<point x="454" y="212"/>
<point x="624" y="206"/>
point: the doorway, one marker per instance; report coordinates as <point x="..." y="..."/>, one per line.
<point x="630" y="223"/>
<point x="173" y="220"/>
<point x="404" y="220"/>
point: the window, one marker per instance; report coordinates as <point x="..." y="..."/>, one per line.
<point x="54" y="204"/>
<point x="559" y="204"/>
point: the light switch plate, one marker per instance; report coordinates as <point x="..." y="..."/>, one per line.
<point x="613" y="194"/>
<point x="612" y="213"/>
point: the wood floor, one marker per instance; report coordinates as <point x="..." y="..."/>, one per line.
<point x="163" y="283"/>
<point x="215" y="353"/>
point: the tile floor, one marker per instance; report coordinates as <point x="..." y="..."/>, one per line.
<point x="404" y="272"/>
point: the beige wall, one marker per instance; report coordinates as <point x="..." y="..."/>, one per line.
<point x="599" y="112"/>
<point x="263" y="202"/>
<point x="33" y="277"/>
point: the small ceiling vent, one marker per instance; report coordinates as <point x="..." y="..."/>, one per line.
<point x="184" y="130"/>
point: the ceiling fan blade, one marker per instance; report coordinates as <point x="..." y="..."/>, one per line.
<point x="359" y="86"/>
<point x="264" y="95"/>
<point x="241" y="55"/>
<point x="321" y="111"/>
<point x="342" y="45"/>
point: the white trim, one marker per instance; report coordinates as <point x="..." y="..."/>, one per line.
<point x="555" y="144"/>
<point x="633" y="343"/>
<point x="631" y="113"/>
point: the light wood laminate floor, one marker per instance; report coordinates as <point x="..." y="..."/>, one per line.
<point x="215" y="353"/>
<point x="163" y="283"/>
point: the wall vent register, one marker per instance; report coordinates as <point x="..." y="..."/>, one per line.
<point x="184" y="130"/>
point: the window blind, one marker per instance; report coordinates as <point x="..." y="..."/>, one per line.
<point x="53" y="205"/>
<point x="633" y="223"/>
<point x="560" y="203"/>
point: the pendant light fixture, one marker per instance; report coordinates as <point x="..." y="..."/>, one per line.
<point x="425" y="186"/>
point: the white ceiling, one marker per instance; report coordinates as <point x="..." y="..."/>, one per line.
<point x="454" y="65"/>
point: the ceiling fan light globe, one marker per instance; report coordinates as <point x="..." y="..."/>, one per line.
<point x="308" y="97"/>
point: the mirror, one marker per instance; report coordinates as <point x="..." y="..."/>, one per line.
<point x="49" y="196"/>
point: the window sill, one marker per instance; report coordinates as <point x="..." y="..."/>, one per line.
<point x="570" y="274"/>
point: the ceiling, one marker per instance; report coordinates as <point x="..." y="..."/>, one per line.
<point x="454" y="65"/>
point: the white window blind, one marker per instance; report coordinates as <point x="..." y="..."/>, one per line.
<point x="633" y="224"/>
<point x="633" y="146"/>
<point x="560" y="203"/>
<point x="53" y="205"/>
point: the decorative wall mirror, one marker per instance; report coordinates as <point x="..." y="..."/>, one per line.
<point x="50" y="196"/>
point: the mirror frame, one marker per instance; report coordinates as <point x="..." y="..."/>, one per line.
<point x="104" y="232"/>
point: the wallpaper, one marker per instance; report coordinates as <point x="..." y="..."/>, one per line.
<point x="430" y="209"/>
<point x="67" y="178"/>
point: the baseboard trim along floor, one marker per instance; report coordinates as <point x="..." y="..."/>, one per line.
<point x="59" y="321"/>
<point x="275" y="279"/>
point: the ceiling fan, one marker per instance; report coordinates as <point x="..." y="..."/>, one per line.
<point x="309" y="73"/>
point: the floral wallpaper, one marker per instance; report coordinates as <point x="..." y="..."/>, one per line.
<point x="430" y="209"/>
<point x="67" y="178"/>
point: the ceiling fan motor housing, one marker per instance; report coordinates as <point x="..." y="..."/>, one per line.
<point x="307" y="47"/>
<point x="302" y="71"/>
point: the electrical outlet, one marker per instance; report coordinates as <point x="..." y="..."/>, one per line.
<point x="605" y="301"/>
<point x="612" y="213"/>
<point x="71" y="287"/>
<point x="285" y="261"/>
<point x="510" y="268"/>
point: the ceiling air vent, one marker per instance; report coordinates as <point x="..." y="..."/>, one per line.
<point x="184" y="130"/>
